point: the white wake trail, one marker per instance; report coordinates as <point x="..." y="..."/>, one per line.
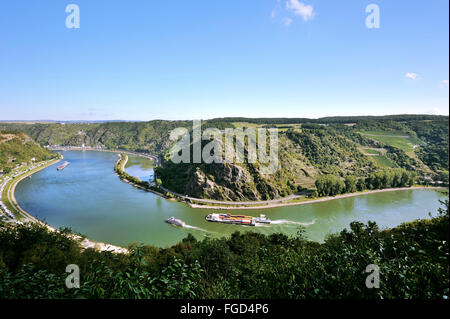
<point x="285" y="221"/>
<point x="196" y="228"/>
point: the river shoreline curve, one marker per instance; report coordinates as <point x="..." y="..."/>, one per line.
<point x="91" y="199"/>
<point x="86" y="243"/>
<point x="317" y="200"/>
<point x="225" y="205"/>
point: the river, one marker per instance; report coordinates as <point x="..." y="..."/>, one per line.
<point x="89" y="198"/>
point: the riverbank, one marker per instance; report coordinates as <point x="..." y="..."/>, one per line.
<point x="152" y="157"/>
<point x="224" y="205"/>
<point x="91" y="199"/>
<point x="317" y="200"/>
<point x="291" y="200"/>
<point x="119" y="169"/>
<point x="27" y="217"/>
<point x="12" y="187"/>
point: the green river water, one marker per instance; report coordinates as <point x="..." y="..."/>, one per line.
<point x="89" y="198"/>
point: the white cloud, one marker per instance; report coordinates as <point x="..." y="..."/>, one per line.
<point x="300" y="9"/>
<point x="435" y="111"/>
<point x="287" y="21"/>
<point x="444" y="84"/>
<point x="412" y="76"/>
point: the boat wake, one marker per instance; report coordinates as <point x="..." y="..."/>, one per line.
<point x="290" y="222"/>
<point x="262" y="225"/>
<point x="196" y="228"/>
<point x="179" y="223"/>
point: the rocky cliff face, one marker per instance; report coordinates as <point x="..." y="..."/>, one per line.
<point x="223" y="181"/>
<point x="297" y="169"/>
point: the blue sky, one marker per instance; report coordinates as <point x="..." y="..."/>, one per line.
<point x="143" y="60"/>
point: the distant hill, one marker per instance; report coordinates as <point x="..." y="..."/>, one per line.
<point x="136" y="136"/>
<point x="62" y="121"/>
<point x="335" y="119"/>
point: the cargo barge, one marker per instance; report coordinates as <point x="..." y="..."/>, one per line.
<point x="62" y="166"/>
<point x="238" y="219"/>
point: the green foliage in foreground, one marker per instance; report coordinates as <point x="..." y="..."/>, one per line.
<point x="413" y="260"/>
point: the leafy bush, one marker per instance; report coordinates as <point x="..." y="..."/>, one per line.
<point x="413" y="259"/>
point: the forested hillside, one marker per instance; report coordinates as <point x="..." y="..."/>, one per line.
<point x="367" y="154"/>
<point x="345" y="147"/>
<point x="17" y="147"/>
<point x="134" y="136"/>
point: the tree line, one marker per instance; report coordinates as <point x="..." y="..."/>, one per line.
<point x="331" y="185"/>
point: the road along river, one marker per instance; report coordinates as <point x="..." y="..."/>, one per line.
<point x="88" y="197"/>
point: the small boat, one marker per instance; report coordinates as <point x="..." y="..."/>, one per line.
<point x="262" y="219"/>
<point x="176" y="222"/>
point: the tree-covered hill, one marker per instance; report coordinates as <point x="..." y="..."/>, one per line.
<point x="134" y="136"/>
<point x="17" y="148"/>
<point x="308" y="151"/>
<point x="335" y="119"/>
<point x="309" y="148"/>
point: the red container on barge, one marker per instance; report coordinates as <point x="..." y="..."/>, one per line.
<point x="62" y="166"/>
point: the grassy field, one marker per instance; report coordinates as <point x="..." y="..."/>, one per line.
<point x="378" y="155"/>
<point x="372" y="151"/>
<point x="143" y="162"/>
<point x="281" y="127"/>
<point x="383" y="161"/>
<point x="399" y="140"/>
<point x="244" y="124"/>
